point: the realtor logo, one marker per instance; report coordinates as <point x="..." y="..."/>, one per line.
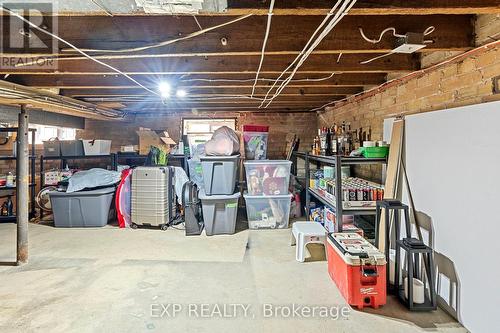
<point x="22" y="46"/>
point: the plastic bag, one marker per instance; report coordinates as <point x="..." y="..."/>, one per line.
<point x="224" y="142"/>
<point x="92" y="178"/>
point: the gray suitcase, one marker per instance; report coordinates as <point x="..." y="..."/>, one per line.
<point x="153" y="198"/>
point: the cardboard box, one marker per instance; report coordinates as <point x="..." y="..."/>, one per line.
<point x="129" y="149"/>
<point x="148" y="138"/>
<point x="330" y="221"/>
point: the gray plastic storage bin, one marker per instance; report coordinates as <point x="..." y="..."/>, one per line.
<point x="72" y="148"/>
<point x="219" y="213"/>
<point x="82" y="209"/>
<point x="268" y="212"/>
<point x="219" y="174"/>
<point x="52" y="148"/>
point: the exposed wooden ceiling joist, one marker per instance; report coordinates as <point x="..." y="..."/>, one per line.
<point x="237" y="90"/>
<point x="367" y="7"/>
<point x="247" y="64"/>
<point x="211" y="71"/>
<point x="119" y="82"/>
<point x="288" y="36"/>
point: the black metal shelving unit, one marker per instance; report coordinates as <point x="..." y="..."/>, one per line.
<point x="32" y="184"/>
<point x="129" y="157"/>
<point x="337" y="161"/>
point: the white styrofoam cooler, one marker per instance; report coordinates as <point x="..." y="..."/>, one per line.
<point x="268" y="212"/>
<point x="97" y="147"/>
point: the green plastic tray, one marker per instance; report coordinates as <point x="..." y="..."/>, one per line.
<point x="375" y="152"/>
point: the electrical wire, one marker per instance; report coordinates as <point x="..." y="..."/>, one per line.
<point x="266" y="36"/>
<point x="102" y="7"/>
<point x="333" y="22"/>
<point x="167" y="42"/>
<point x="375" y="58"/>
<point x="343" y="10"/>
<point x="375" y="41"/>
<point x="197" y="23"/>
<point x="330" y="13"/>
<point x="260" y="79"/>
<point x="388" y="84"/>
<point x="426" y="32"/>
<point x="78" y="50"/>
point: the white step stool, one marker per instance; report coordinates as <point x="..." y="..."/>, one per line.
<point x="304" y="233"/>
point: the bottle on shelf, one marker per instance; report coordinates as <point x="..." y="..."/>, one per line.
<point x="4" y="211"/>
<point x="10" y="207"/>
<point x="349" y="144"/>
<point x="10" y="180"/>
<point x="334" y="143"/>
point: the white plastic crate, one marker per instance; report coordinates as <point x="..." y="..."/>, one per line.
<point x="268" y="212"/>
<point x="267" y="177"/>
<point x="97" y="147"/>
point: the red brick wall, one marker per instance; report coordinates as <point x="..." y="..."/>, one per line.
<point x="465" y="82"/>
<point x="280" y="124"/>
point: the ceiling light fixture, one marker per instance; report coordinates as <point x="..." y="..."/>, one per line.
<point x="181" y="93"/>
<point x="164" y="89"/>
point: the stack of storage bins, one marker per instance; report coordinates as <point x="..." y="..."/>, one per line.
<point x="219" y="198"/>
<point x="268" y="200"/>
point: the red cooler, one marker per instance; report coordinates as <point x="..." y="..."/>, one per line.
<point x="358" y="269"/>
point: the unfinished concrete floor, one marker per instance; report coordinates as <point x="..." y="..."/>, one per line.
<point x="112" y="280"/>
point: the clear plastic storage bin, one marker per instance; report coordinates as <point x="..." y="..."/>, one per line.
<point x="219" y="174"/>
<point x="96" y="147"/>
<point x="267" y="177"/>
<point x="219" y="212"/>
<point x="255" y="141"/>
<point x="268" y="212"/>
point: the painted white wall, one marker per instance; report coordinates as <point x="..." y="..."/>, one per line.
<point x="453" y="165"/>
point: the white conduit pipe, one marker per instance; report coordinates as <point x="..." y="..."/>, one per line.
<point x="260" y="79"/>
<point x="330" y="13"/>
<point x="78" y="50"/>
<point x="330" y="26"/>
<point x="344" y="9"/>
<point x="340" y="14"/>
<point x="268" y="28"/>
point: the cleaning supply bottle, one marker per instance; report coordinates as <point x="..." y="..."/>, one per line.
<point x="3" y="210"/>
<point x="10" y="180"/>
<point x="10" y="207"/>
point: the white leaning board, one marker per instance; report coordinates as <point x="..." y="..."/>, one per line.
<point x="453" y="165"/>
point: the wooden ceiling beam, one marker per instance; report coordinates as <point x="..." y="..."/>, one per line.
<point x="366" y="7"/>
<point x="196" y="91"/>
<point x="248" y="64"/>
<point x="287" y="37"/>
<point x="119" y="82"/>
